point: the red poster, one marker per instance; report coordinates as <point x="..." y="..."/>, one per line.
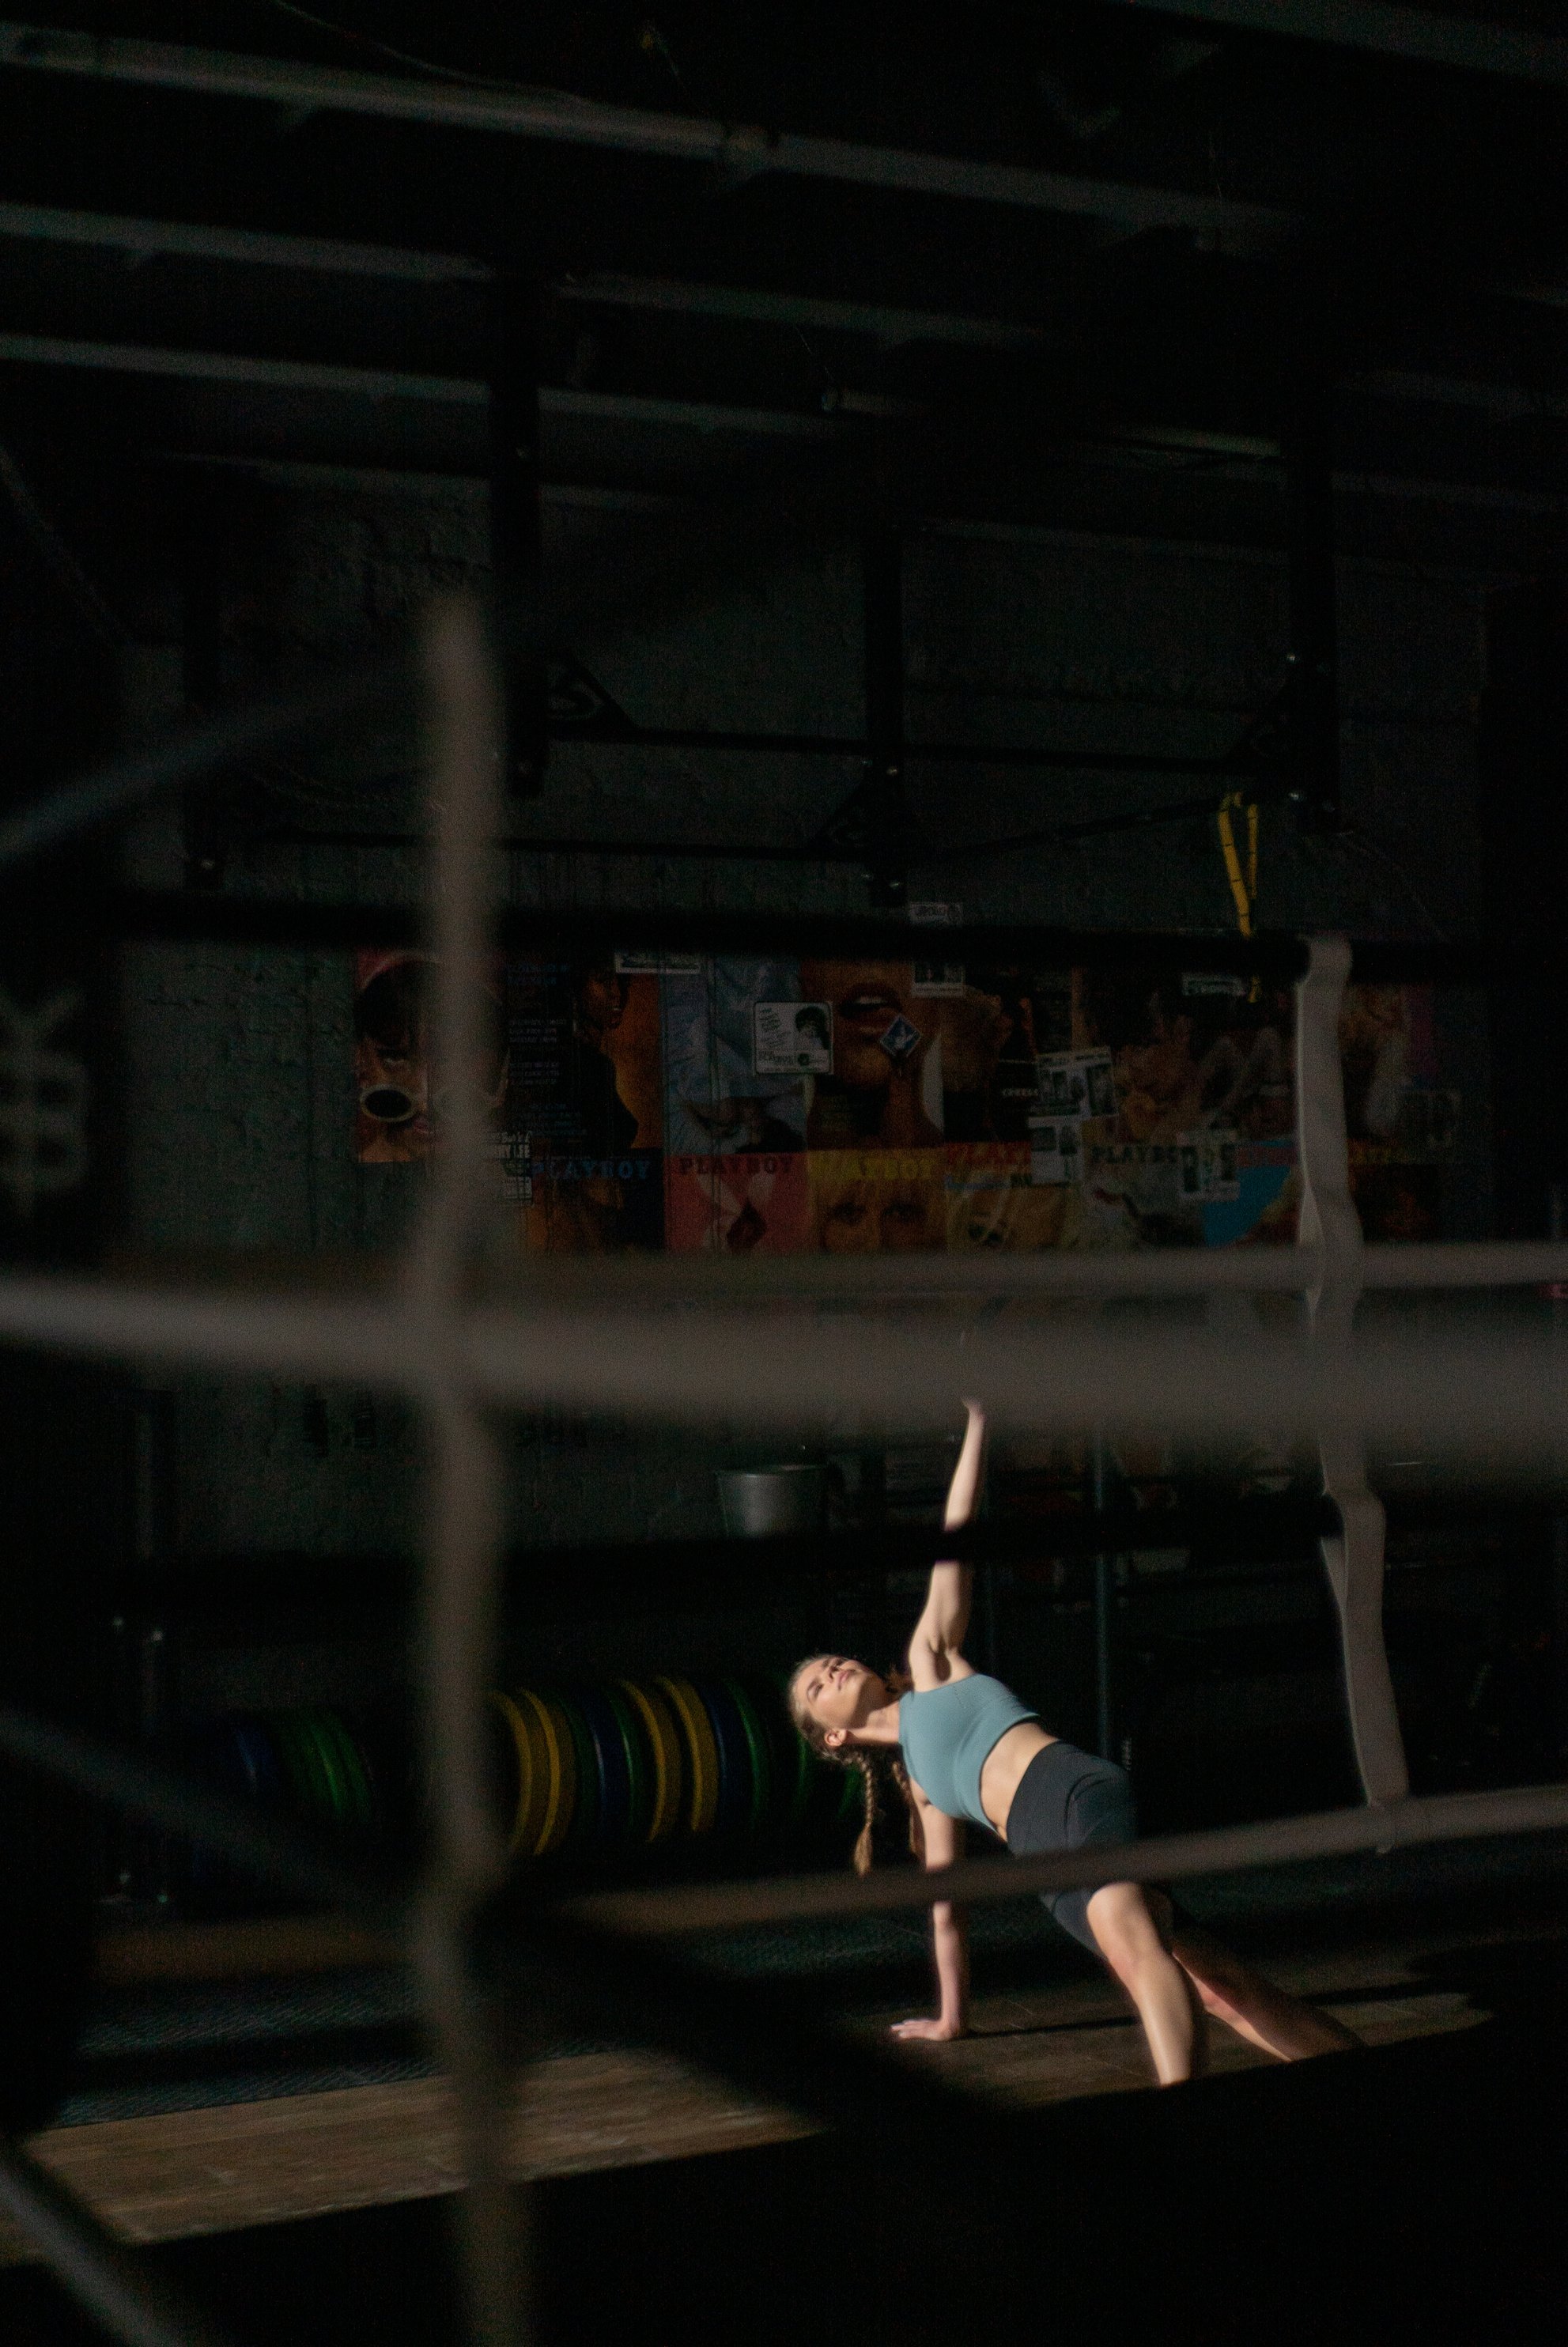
<point x="737" y="1204"/>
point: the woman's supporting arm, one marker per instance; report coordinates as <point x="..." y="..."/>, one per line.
<point x="940" y="1631"/>
<point x="944" y="1837"/>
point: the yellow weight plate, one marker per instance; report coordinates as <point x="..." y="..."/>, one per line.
<point x="542" y="1824"/>
<point x="565" y="1758"/>
<point x="701" y="1806"/>
<point x="670" y="1728"/>
<point x="526" y="1769"/>
<point x="539" y="1751"/>
<point x="663" y="1738"/>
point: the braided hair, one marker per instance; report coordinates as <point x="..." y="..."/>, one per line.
<point x="871" y="1762"/>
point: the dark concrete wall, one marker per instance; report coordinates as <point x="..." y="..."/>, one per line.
<point x="240" y="1062"/>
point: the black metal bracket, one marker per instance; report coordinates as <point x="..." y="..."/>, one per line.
<point x="1310" y="708"/>
<point x="205" y="824"/>
<point x="515" y="528"/>
<point x="883" y="800"/>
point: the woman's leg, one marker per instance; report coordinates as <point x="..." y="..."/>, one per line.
<point x="1130" y="1939"/>
<point x="1265" y="2015"/>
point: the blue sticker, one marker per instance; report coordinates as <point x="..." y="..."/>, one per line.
<point x="899" y="1039"/>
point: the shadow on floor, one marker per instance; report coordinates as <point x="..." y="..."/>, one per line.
<point x="1410" y="2195"/>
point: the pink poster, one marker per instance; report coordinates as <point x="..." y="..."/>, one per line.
<point x="736" y="1203"/>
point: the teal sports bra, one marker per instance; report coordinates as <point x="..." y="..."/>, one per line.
<point x="949" y="1732"/>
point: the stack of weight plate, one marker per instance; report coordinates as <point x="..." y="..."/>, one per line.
<point x="308" y="1764"/>
<point x="585" y="1769"/>
<point x="589" y="1769"/>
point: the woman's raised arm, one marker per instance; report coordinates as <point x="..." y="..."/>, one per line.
<point x="939" y="1633"/>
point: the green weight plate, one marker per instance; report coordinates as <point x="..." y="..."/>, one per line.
<point x="640" y="1766"/>
<point x="761" y="1758"/>
<point x="784" y="1747"/>
<point x="329" y="1749"/>
<point x="303" y="1766"/>
<point x="356" y="1777"/>
<point x="328" y="1768"/>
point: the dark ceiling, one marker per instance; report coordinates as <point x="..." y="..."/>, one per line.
<point x="1161" y="220"/>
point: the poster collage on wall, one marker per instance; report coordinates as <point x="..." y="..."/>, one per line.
<point x="788" y="1106"/>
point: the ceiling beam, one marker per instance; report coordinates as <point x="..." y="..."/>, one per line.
<point x="736" y="152"/>
<point x="1514" y="401"/>
<point x="892" y="328"/>
<point x="1468" y="44"/>
<point x="697" y="415"/>
<point x="572" y="495"/>
<point x="185" y="241"/>
<point x="380" y="383"/>
<point x="145" y="240"/>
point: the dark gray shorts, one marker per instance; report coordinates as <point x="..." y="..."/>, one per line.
<point x="1065" y="1799"/>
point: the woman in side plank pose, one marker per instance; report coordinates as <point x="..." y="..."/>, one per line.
<point x="963" y="1749"/>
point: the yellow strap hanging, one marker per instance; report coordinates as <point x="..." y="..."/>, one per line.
<point x="1243" y="886"/>
<point x="1242" y="889"/>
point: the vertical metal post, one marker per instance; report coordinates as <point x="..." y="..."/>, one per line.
<point x="1329" y="1224"/>
<point x="514" y="529"/>
<point x="885" y="798"/>
<point x="1307" y="441"/>
<point x="467" y="1860"/>
<point x="204" y="830"/>
<point x="154" y="1702"/>
<point x="1105" y="1727"/>
<point x="1557" y="1198"/>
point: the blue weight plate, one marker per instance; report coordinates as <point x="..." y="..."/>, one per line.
<point x="609" y="1755"/>
<point x="734" y="1755"/>
<point x="210" y="1755"/>
<point x="583" y="1829"/>
<point x="258" y="1758"/>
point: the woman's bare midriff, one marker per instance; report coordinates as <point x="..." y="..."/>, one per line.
<point x="1005" y="1763"/>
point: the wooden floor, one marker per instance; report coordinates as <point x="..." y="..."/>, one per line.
<point x="203" y="2171"/>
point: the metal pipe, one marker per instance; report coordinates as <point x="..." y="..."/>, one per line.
<point x="1103" y="1575"/>
<point x="187" y="240"/>
<point x="1464" y="43"/>
<point x="735" y="151"/>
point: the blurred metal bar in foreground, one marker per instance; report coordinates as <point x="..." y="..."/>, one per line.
<point x="1226" y="1850"/>
<point x="1332" y="1229"/>
<point x="465" y="1479"/>
<point x="86" y="2259"/>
